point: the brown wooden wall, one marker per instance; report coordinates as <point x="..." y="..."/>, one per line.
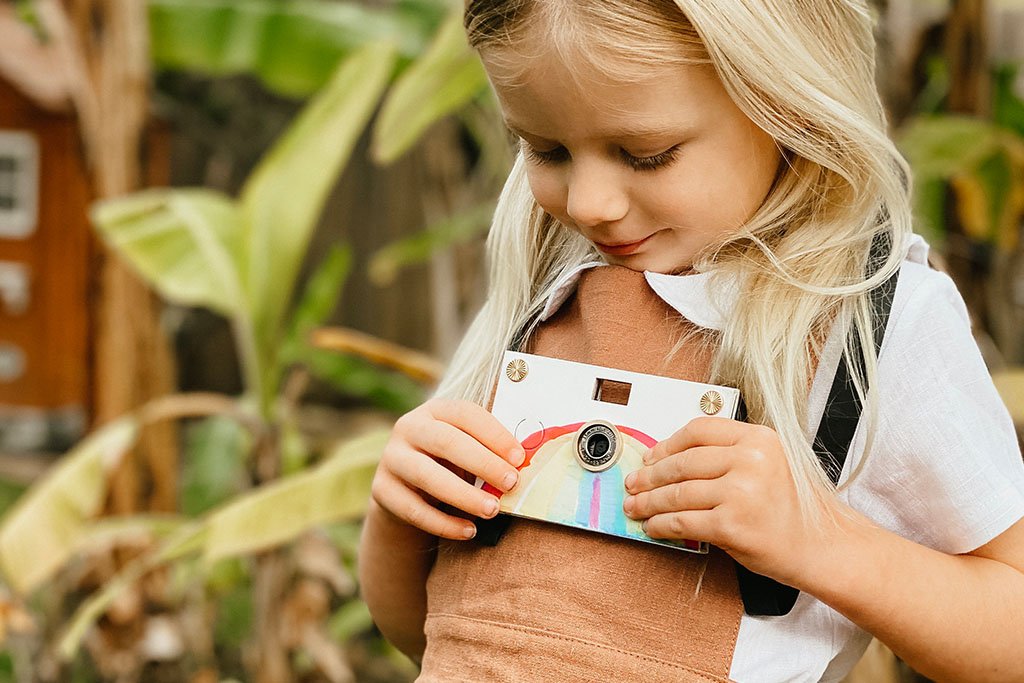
<point x="54" y="332"/>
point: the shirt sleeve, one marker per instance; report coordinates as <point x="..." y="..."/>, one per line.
<point x="945" y="467"/>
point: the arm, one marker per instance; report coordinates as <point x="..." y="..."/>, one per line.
<point x="432" y="449"/>
<point x="394" y="561"/>
<point x="951" y="617"/>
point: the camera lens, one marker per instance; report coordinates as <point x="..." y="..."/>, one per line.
<point x="598" y="444"/>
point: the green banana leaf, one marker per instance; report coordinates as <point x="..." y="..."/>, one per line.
<point x="284" y="196"/>
<point x="354" y="376"/>
<point x="42" y="531"/>
<point x="981" y="161"/>
<point x="319" y="299"/>
<point x="463" y="226"/>
<point x="337" y="489"/>
<point x="443" y="80"/>
<point x="941" y="146"/>
<point x="293" y="47"/>
<point x="186" y="243"/>
<point x="213" y="467"/>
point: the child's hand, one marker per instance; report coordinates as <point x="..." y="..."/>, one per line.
<point x="727" y="483"/>
<point x="432" y="451"/>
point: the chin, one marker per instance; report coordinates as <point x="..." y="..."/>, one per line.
<point x="646" y="262"/>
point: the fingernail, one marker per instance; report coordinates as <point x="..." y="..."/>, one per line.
<point x="469" y="532"/>
<point x="518" y="456"/>
<point x="627" y="505"/>
<point x="630" y="480"/>
<point x="643" y="526"/>
<point x="510" y="480"/>
<point x="491" y="507"/>
<point x="647" y="456"/>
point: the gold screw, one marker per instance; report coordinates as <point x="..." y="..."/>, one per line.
<point x="711" y="402"/>
<point x="517" y="370"/>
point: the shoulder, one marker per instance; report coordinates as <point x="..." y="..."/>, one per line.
<point x="925" y="298"/>
<point x="943" y="466"/>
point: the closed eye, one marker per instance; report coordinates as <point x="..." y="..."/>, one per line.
<point x="561" y="154"/>
<point x="659" y="160"/>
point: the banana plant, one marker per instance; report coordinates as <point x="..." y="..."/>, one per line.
<point x="980" y="160"/>
<point x="292" y="47"/>
<point x="239" y="257"/>
<point x="975" y="167"/>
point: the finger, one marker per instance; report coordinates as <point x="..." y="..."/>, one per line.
<point x="410" y="507"/>
<point x="697" y="494"/>
<point x="422" y="472"/>
<point x="450" y="443"/>
<point x="700" y="431"/>
<point x="482" y="425"/>
<point x="699" y="462"/>
<point x="696" y="525"/>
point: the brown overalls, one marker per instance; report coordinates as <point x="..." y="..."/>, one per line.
<point x="549" y="603"/>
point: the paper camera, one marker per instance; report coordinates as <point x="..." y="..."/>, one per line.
<point x="584" y="428"/>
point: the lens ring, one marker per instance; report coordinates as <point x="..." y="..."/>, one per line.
<point x="598" y="445"/>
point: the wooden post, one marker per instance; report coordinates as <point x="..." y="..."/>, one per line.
<point x="966" y="51"/>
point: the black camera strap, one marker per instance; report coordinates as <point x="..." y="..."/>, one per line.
<point x="761" y="595"/>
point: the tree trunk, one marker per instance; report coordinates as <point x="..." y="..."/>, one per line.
<point x="105" y="49"/>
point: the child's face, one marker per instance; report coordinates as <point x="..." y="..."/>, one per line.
<point x="665" y="166"/>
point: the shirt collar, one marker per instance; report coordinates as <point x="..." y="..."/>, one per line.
<point x="690" y="295"/>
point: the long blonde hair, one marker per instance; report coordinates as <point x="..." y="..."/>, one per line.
<point x="804" y="73"/>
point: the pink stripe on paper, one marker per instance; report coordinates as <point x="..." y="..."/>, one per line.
<point x="595" y="504"/>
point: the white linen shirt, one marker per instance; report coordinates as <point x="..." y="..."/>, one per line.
<point x="944" y="470"/>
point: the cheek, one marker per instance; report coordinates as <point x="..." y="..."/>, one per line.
<point x="547" y="189"/>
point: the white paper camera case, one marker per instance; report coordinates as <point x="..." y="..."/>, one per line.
<point x="584" y="428"/>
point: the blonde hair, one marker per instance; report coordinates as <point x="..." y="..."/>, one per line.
<point x="804" y="73"/>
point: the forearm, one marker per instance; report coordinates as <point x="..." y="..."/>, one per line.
<point x="394" y="561"/>
<point x="952" y="618"/>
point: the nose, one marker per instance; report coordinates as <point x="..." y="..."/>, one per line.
<point x="595" y="195"/>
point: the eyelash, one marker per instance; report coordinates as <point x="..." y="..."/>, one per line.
<point x="651" y="163"/>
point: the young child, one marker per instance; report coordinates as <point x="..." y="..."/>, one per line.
<point x="698" y="188"/>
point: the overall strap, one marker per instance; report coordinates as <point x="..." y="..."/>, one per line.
<point x="761" y="595"/>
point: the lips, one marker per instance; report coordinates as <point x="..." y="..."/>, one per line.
<point x="623" y="248"/>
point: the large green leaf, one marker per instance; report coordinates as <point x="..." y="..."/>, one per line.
<point x="42" y="531"/>
<point x="339" y="488"/>
<point x="358" y="377"/>
<point x="443" y="80"/>
<point x="214" y="465"/>
<point x="981" y="161"/>
<point x="417" y="248"/>
<point x="186" y="243"/>
<point x="292" y="47"/>
<point x="318" y="301"/>
<point x="942" y="146"/>
<point x="284" y="196"/>
<point x="1007" y="105"/>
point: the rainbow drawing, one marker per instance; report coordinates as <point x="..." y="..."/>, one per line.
<point x="554" y="487"/>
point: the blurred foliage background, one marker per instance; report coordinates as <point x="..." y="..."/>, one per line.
<point x="283" y="208"/>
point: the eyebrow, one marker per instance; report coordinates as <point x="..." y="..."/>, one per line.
<point x="633" y="131"/>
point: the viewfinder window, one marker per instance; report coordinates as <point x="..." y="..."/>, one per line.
<point x="610" y="391"/>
